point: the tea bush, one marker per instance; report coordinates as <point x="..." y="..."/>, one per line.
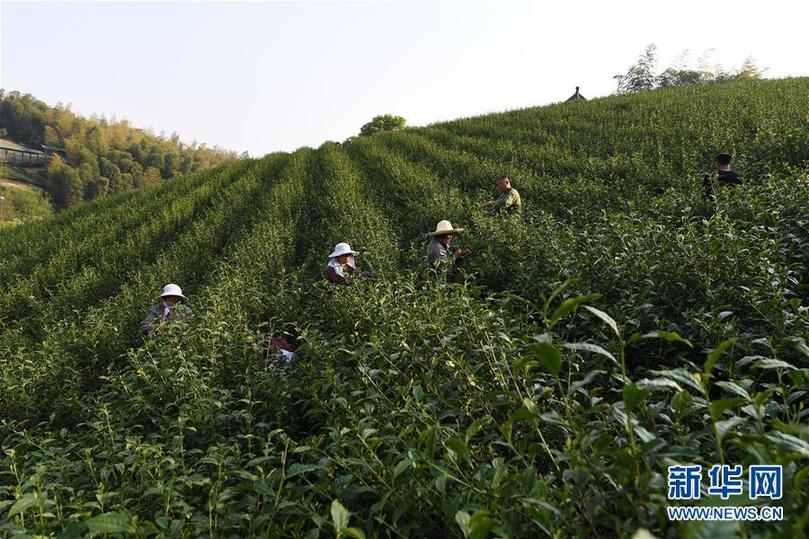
<point x="620" y="325"/>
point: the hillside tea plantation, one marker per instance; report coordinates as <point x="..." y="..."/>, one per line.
<point x="621" y="325"/>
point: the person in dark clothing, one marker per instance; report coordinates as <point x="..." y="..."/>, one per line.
<point x="441" y="258"/>
<point x="723" y="176"/>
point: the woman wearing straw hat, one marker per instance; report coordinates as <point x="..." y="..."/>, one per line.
<point x="440" y="258"/>
<point x="172" y="308"/>
<point x="341" y="267"/>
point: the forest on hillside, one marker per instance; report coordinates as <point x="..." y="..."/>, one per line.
<point x="102" y="157"/>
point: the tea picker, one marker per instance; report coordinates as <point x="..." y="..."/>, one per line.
<point x="172" y="308"/>
<point x="341" y="267"/>
<point x="509" y="201"/>
<point x="723" y="176"/>
<point x="440" y="258"/>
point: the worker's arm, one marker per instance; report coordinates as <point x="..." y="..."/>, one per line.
<point x="505" y="200"/>
<point x="147" y="324"/>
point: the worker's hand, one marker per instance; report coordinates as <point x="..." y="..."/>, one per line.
<point x="466" y="252"/>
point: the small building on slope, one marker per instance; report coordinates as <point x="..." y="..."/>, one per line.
<point x="576" y="97"/>
<point x="17" y="154"/>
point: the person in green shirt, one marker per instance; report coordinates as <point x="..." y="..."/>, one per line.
<point x="508" y="202"/>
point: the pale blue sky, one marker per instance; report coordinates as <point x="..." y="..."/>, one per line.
<point x="266" y="76"/>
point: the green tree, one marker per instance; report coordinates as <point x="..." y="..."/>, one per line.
<point x="150" y="176"/>
<point x="64" y="183"/>
<point x="51" y="136"/>
<point x="88" y="141"/>
<point x="682" y="77"/>
<point x="125" y="182"/>
<point x="749" y="70"/>
<point x="88" y="172"/>
<point x="171" y="165"/>
<point x="97" y="188"/>
<point x="640" y="75"/>
<point x="110" y="170"/>
<point x="385" y="122"/>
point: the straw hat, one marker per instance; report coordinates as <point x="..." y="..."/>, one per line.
<point x="445" y="227"/>
<point x="173" y="290"/>
<point x="342" y="249"/>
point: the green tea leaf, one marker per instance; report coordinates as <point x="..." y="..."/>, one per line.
<point x="298" y="469"/>
<point x="561" y="288"/>
<point x="579" y="384"/>
<point x="401" y="467"/>
<point x="606" y="318"/>
<point x="23" y="503"/>
<point x="681" y="376"/>
<point x="524" y="362"/>
<point x="459" y="447"/>
<point x="733" y="387"/>
<point x="633" y="395"/>
<point x="427" y="437"/>
<point x="548" y="356"/>
<point x="723" y="427"/>
<point x="475" y="427"/>
<point x="773" y="364"/>
<point x="716" y="353"/>
<point x="569" y="305"/>
<point x="339" y="516"/>
<point x="801" y="346"/>
<point x="659" y="383"/>
<point x="790" y="443"/>
<point x="672" y="336"/>
<point x="441" y="484"/>
<point x="800" y="478"/>
<point x="719" y="406"/>
<point x="462" y="518"/>
<point x="480" y="524"/>
<point x="590" y="347"/>
<point x="262" y="488"/>
<point x="118" y="522"/>
<point x="356" y="533"/>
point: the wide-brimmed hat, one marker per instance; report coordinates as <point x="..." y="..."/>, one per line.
<point x="172" y="289"/>
<point x="343" y="249"/>
<point x="443" y="228"/>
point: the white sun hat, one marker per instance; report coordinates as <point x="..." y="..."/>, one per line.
<point x="342" y="249"/>
<point x="172" y="289"/>
<point x="445" y="227"/>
